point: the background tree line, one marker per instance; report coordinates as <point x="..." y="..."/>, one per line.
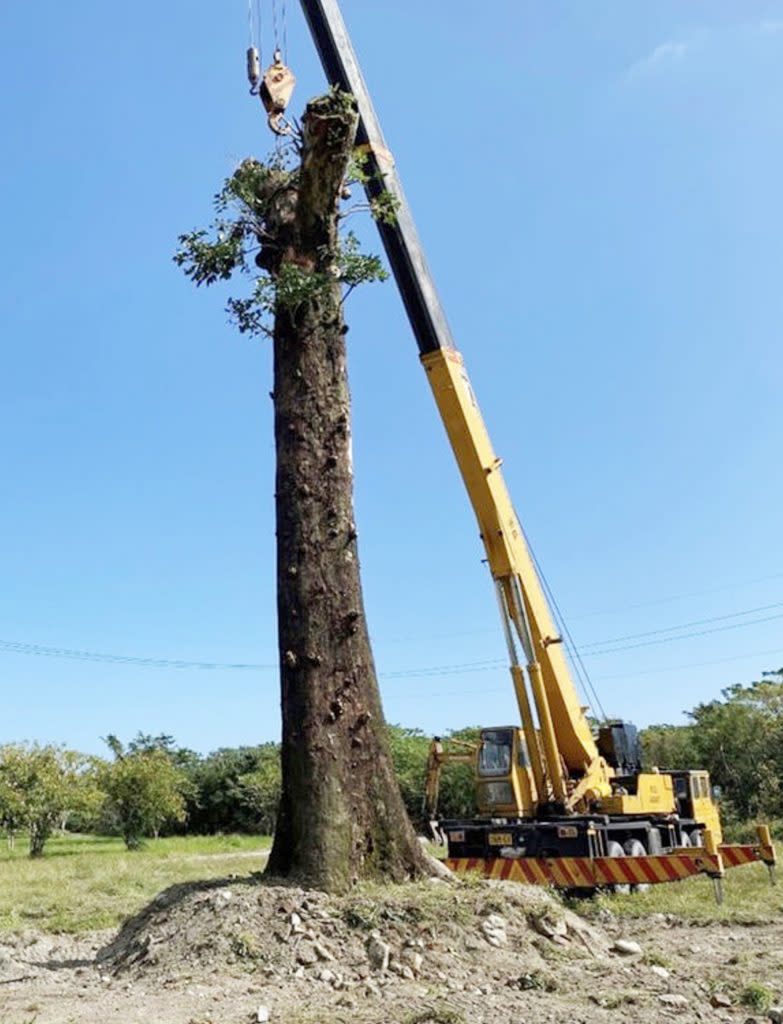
<point x="152" y="786"/>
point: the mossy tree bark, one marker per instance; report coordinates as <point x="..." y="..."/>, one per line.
<point x="341" y="815"/>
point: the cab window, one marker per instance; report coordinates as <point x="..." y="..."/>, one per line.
<point x="495" y="752"/>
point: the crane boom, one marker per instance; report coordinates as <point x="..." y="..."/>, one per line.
<point x="563" y="754"/>
<point x="555" y="806"/>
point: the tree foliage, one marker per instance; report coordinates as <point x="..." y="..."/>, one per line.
<point x="235" y="790"/>
<point x="40" y="786"/>
<point x="738" y="738"/>
<point x="242" y="238"/>
<point x="144" y="788"/>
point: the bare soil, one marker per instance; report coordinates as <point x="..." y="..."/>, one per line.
<point x="233" y="951"/>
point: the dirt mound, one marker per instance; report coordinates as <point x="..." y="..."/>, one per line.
<point x="429" y="932"/>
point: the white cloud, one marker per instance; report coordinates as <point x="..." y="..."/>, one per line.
<point x="669" y="52"/>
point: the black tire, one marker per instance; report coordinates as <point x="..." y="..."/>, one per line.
<point x="635" y="848"/>
<point x="613" y="849"/>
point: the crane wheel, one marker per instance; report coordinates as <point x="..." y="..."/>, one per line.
<point x="613" y="849"/>
<point x="635" y="848"/>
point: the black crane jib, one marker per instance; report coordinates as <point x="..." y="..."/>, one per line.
<point x="400" y="239"/>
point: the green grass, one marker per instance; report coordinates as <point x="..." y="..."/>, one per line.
<point x="90" y="882"/>
<point x="748" y="899"/>
<point x="756" y="997"/>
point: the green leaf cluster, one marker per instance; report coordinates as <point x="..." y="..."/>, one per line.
<point x="243" y="238"/>
<point x="738" y="738"/>
<point x="144" y="789"/>
<point x="40" y="786"/>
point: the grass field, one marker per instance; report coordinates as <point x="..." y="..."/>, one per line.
<point x="749" y="898"/>
<point x="91" y="882"/>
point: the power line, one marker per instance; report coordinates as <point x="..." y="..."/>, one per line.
<point x="586" y="650"/>
<point x="39" y="650"/>
<point x="683" y="625"/>
<point x="679" y="597"/>
<point x="623" y="675"/>
<point x="684" y="636"/>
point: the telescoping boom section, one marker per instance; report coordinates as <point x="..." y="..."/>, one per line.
<point x="555" y="804"/>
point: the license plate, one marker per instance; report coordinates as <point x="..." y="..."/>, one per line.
<point x="500" y="839"/>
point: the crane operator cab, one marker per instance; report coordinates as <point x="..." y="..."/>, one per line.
<point x="504" y="781"/>
<point x="695" y="804"/>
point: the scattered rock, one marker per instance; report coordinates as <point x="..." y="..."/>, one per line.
<point x="262" y="1014"/>
<point x="322" y="952"/>
<point x="549" y="926"/>
<point x="327" y="976"/>
<point x="413" y="959"/>
<point x="720" y="1001"/>
<point x="659" y="972"/>
<point x="378" y="952"/>
<point x="494" y="929"/>
<point x="626" y="947"/>
<point x="306" y="956"/>
<point x="775" y="1014"/>
<point x="673" y="999"/>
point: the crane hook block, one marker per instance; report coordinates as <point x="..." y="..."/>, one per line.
<point x="253" y="69"/>
<point x="275" y="91"/>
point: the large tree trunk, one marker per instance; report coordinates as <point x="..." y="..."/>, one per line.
<point x="341" y="816"/>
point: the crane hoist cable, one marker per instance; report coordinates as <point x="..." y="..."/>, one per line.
<point x="276" y="85"/>
<point x="573" y="651"/>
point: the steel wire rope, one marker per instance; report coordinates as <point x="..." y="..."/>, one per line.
<point x="260" y="33"/>
<point x="573" y="651"/>
<point x="250" y="27"/>
<point x="275" y="25"/>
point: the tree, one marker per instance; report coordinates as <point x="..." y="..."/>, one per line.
<point x="144" y="791"/>
<point x="341" y="815"/>
<point x="235" y="790"/>
<point x="39" y="786"/>
<point x="260" y="789"/>
<point x="669" y="746"/>
<point x="740" y="740"/>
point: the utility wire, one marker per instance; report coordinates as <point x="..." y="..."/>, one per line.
<point x="684" y="625"/>
<point x="684" y="636"/>
<point x="39" y="650"/>
<point x="679" y="597"/>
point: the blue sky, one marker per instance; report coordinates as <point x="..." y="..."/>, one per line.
<point x="598" y="190"/>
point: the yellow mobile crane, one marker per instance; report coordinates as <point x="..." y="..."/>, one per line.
<point x="556" y="805"/>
